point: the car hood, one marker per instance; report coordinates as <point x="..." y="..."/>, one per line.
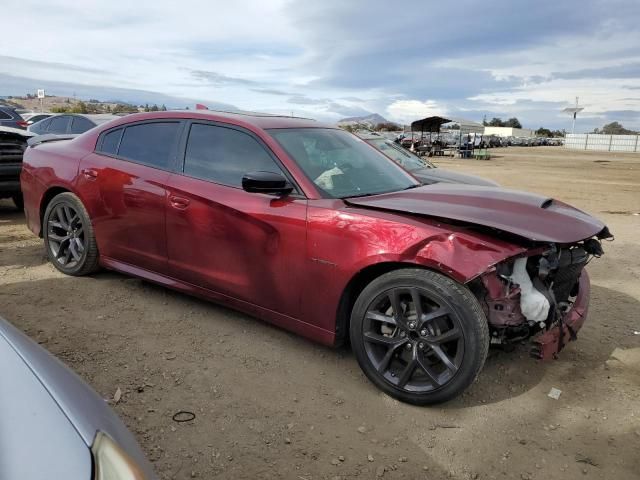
<point x="534" y="217"/>
<point x="36" y="438"/>
<point x="83" y="410"/>
<point x="437" y="175"/>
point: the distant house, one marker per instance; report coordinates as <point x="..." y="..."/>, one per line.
<point x="509" y="132"/>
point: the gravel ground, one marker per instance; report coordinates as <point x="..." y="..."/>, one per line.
<point x="269" y="404"/>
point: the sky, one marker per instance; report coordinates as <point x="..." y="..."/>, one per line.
<point x="332" y="59"/>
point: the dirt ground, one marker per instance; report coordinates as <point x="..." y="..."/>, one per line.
<point x="269" y="404"/>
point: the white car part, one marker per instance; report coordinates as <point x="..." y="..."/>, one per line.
<point x="533" y="304"/>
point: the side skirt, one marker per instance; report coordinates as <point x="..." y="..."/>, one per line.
<point x="299" y="327"/>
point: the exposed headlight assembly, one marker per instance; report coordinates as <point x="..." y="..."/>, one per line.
<point x="111" y="462"/>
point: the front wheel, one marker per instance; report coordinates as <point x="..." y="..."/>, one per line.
<point x="68" y="236"/>
<point x="419" y="336"/>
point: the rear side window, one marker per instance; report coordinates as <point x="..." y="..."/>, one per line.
<point x="81" y="125"/>
<point x="4" y="115"/>
<point x="40" y="127"/>
<point x="223" y="155"/>
<point x="149" y="143"/>
<point x="111" y="141"/>
<point x="58" y="124"/>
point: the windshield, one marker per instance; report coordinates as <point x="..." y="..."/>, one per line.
<point x="341" y="164"/>
<point x="399" y="155"/>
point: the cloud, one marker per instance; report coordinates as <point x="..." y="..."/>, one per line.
<point x="628" y="70"/>
<point x="219" y="80"/>
<point x="271" y="91"/>
<point x="409" y="110"/>
<point x="327" y="58"/>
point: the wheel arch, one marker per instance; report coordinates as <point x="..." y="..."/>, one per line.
<point x="355" y="286"/>
<point x="49" y="195"/>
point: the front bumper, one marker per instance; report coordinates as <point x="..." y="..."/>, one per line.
<point x="546" y="345"/>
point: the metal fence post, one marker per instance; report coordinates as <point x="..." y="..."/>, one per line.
<point x="586" y="141"/>
<point x="635" y="149"/>
<point x="610" y="141"/>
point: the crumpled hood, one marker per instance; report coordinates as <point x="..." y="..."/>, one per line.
<point x="524" y="214"/>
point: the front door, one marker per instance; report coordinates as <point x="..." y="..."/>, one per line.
<point x="247" y="246"/>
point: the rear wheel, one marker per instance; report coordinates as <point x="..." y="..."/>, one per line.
<point x="69" y="237"/>
<point x="419" y="336"/>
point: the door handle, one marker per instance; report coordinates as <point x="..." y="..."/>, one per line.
<point x="90" y="173"/>
<point x="179" y="202"/>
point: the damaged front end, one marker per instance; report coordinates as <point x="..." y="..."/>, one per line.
<point x="543" y="295"/>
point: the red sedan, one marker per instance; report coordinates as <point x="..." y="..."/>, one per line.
<point x="310" y="228"/>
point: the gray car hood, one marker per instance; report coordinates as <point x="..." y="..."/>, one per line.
<point x="83" y="408"/>
<point x="437" y="175"/>
<point x="36" y="439"/>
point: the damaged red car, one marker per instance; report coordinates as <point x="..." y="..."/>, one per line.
<point x="310" y="228"/>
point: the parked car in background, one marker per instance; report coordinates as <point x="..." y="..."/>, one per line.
<point x="9" y="117"/>
<point x="69" y="123"/>
<point x="308" y="227"/>
<point x="13" y="142"/>
<point x="420" y="168"/>
<point x="54" y="425"/>
<point x="34" y="117"/>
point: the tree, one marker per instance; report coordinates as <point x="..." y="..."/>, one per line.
<point x="386" y="126"/>
<point x="615" y="128"/>
<point x="124" y="108"/>
<point x="544" y="132"/>
<point x="496" y="122"/>
<point x="484" y="121"/>
<point x="154" y="108"/>
<point x="513" y="122"/>
<point x="163" y="108"/>
<point x="79" y="107"/>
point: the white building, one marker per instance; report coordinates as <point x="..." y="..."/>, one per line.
<point x="509" y="132"/>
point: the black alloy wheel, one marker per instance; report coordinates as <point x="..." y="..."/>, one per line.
<point x="69" y="236"/>
<point x="419" y="335"/>
<point x="65" y="234"/>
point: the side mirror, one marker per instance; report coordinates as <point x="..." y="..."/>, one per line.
<point x="266" y="182"/>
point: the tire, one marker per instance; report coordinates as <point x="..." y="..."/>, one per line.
<point x="423" y="355"/>
<point x="69" y="237"/>
<point x="18" y="201"/>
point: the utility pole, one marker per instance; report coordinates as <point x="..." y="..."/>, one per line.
<point x="574" y="112"/>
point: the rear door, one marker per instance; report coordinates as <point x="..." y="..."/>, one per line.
<point x="243" y="245"/>
<point x="124" y="183"/>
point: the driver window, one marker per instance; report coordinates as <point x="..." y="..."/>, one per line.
<point x="223" y="155"/>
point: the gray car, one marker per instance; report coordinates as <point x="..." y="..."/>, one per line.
<point x="53" y="425"/>
<point x="69" y="123"/>
<point x="423" y="170"/>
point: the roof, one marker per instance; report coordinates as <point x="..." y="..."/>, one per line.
<point x="429" y="124"/>
<point x="259" y="120"/>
